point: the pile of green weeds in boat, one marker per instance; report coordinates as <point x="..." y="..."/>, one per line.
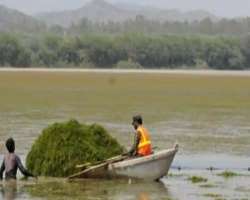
<point x="62" y="146"/>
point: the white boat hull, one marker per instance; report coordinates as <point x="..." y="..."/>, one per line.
<point x="151" y="167"/>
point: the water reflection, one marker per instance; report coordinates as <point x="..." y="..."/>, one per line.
<point x="143" y="196"/>
<point x="9" y="190"/>
<point x="176" y="186"/>
<point x="97" y="189"/>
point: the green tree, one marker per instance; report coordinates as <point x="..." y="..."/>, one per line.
<point x="245" y="49"/>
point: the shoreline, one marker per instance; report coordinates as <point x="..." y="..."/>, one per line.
<point x="133" y="71"/>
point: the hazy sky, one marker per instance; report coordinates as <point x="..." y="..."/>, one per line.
<point x="229" y="8"/>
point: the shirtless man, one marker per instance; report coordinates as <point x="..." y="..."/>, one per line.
<point x="12" y="162"/>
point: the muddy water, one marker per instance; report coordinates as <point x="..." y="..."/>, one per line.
<point x="207" y="115"/>
<point x="176" y="186"/>
<point x="216" y="187"/>
<point x="86" y="190"/>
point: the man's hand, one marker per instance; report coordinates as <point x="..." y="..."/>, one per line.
<point x="33" y="178"/>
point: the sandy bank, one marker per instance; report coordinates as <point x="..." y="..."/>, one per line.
<point x="126" y="71"/>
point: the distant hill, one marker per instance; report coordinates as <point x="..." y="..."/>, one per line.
<point x="96" y="10"/>
<point x="168" y="14"/>
<point x="15" y="21"/>
<point x="102" y="11"/>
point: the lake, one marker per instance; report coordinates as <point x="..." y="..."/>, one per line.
<point x="206" y="113"/>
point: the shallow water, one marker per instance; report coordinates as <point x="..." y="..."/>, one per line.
<point x="87" y="190"/>
<point x="207" y="115"/>
<point x="176" y="186"/>
<point x="216" y="187"/>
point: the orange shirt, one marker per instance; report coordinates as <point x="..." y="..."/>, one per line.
<point x="144" y="148"/>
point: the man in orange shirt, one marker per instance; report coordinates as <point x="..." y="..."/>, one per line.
<point x="142" y="145"/>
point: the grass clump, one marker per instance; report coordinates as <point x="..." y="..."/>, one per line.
<point x="197" y="179"/>
<point x="62" y="146"/>
<point x="228" y="174"/>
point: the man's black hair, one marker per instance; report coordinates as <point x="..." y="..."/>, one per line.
<point x="10" y="145"/>
<point x="138" y="119"/>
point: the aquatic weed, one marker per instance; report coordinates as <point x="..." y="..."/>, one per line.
<point x="62" y="146"/>
<point x="228" y="174"/>
<point x="197" y="179"/>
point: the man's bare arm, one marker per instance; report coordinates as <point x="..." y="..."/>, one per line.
<point x="133" y="150"/>
<point x="24" y="171"/>
<point x="2" y="170"/>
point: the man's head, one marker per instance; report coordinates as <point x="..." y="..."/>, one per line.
<point x="10" y="145"/>
<point x="137" y="121"/>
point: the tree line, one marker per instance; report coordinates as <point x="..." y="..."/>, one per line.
<point x="226" y="27"/>
<point x="124" y="51"/>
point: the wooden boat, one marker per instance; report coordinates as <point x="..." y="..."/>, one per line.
<point x="152" y="167"/>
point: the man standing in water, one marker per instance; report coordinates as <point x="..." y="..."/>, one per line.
<point x="12" y="162"/>
<point x="142" y="145"/>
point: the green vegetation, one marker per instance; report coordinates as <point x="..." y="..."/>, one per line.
<point x="64" y="145"/>
<point x="132" y="43"/>
<point x="128" y="65"/>
<point x="13" y="53"/>
<point x="124" y="51"/>
<point x="197" y="179"/>
<point x="206" y="26"/>
<point x="228" y="174"/>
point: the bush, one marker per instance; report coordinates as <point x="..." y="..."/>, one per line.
<point x="62" y="146"/>
<point x="128" y="65"/>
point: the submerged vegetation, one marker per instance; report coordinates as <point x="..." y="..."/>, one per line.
<point x="62" y="146"/>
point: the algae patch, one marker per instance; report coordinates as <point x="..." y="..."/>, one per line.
<point x="62" y="146"/>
